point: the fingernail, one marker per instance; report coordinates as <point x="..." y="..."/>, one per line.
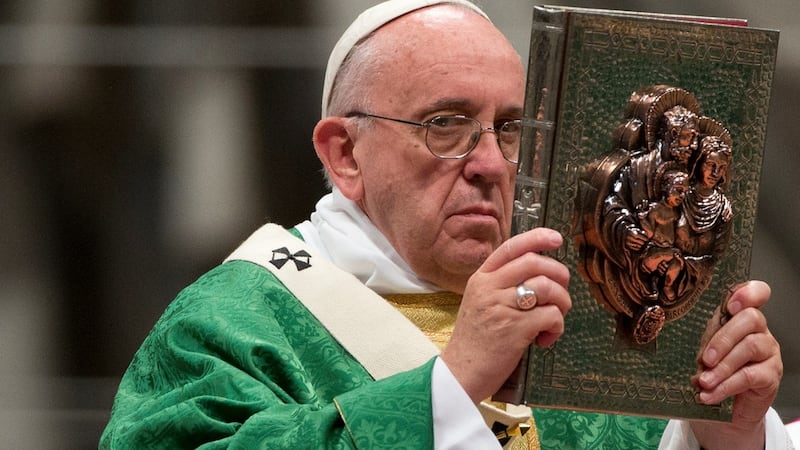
<point x="708" y="378"/>
<point x="734" y="307"/>
<point x="704" y="397"/>
<point x="711" y="357"/>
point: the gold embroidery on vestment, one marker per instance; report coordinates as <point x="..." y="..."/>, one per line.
<point x="435" y="314"/>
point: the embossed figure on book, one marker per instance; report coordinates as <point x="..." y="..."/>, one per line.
<point x="652" y="216"/>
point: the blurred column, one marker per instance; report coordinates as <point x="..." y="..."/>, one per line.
<point x="32" y="239"/>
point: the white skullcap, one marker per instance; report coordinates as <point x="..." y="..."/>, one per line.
<point x="367" y="22"/>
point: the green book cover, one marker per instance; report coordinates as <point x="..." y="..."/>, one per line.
<point x="643" y="146"/>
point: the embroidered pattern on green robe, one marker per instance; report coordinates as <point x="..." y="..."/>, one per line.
<point x="567" y="430"/>
<point x="237" y="362"/>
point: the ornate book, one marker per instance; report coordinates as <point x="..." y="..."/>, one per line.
<point x="643" y="146"/>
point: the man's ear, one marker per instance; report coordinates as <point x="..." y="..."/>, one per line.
<point x="334" y="140"/>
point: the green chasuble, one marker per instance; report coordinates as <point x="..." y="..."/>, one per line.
<point x="570" y="430"/>
<point x="237" y="361"/>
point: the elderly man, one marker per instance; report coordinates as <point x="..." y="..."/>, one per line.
<point x="325" y="335"/>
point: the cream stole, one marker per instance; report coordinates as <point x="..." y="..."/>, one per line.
<point x="356" y="316"/>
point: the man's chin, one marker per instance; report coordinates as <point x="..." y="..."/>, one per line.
<point x="469" y="254"/>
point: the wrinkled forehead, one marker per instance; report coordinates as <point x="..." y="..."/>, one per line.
<point x="365" y="24"/>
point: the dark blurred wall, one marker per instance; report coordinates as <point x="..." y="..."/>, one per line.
<point x="141" y="141"/>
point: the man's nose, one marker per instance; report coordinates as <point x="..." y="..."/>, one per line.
<point x="486" y="159"/>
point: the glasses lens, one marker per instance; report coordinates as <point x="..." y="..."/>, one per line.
<point x="508" y="137"/>
<point x="452" y="136"/>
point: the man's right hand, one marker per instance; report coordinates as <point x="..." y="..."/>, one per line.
<point x="491" y="332"/>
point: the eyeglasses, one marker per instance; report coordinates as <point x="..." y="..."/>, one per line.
<point x="454" y="137"/>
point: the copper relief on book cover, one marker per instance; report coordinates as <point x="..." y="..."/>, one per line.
<point x="653" y="213"/>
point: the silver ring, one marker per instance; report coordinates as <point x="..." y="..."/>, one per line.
<point x="526" y="298"/>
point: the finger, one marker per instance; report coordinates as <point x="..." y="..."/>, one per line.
<point x="548" y="320"/>
<point x="752" y="294"/>
<point x="536" y="240"/>
<point x="752" y="349"/>
<point x="762" y="378"/>
<point x="532" y="265"/>
<point x="744" y="323"/>
<point x="548" y="292"/>
<point x="524" y="267"/>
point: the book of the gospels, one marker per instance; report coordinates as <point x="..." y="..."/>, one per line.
<point x="643" y="142"/>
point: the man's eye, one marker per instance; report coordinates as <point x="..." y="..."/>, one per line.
<point x="444" y="121"/>
<point x="511" y="126"/>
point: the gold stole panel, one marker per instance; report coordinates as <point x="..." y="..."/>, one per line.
<point x="435" y="314"/>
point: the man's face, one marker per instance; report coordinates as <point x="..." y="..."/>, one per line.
<point x="444" y="217"/>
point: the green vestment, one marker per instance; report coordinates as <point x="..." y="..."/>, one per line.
<point x="237" y="361"/>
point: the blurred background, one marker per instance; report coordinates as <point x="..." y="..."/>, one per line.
<point x="142" y="140"/>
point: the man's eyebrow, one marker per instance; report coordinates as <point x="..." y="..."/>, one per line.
<point x="466" y="105"/>
<point x="515" y="111"/>
<point x="456" y="104"/>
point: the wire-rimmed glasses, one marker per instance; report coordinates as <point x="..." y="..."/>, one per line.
<point x="455" y="136"/>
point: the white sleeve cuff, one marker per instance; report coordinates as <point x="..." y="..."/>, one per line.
<point x="793" y="429"/>
<point x="778" y="437"/>
<point x="679" y="435"/>
<point x="457" y="423"/>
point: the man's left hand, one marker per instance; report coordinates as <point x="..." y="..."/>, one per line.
<point x="742" y="359"/>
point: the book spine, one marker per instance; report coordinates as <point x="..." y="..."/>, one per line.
<point x="538" y="138"/>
